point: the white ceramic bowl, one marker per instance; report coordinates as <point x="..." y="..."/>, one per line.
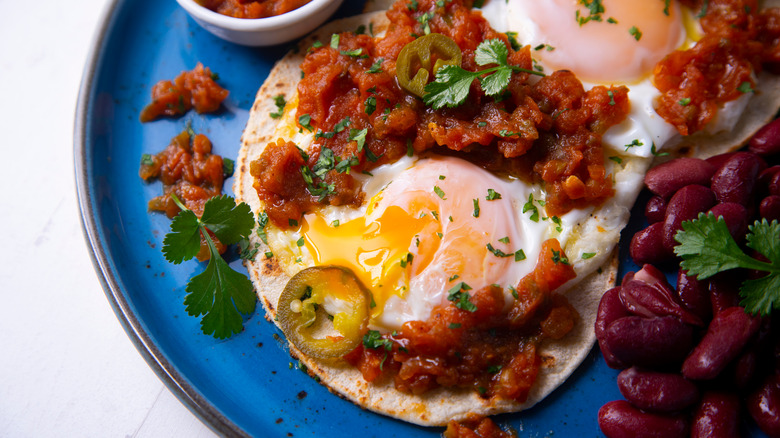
<point x="263" y="31"/>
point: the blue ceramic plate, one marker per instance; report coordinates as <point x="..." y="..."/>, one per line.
<point x="248" y="384"/>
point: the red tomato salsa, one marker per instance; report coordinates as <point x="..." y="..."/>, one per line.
<point x="739" y="40"/>
<point x="191" y="89"/>
<point x="187" y="168"/>
<point x="252" y="8"/>
<point x="485" y="348"/>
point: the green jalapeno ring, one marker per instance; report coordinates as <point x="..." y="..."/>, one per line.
<point x="301" y="319"/>
<point x="420" y="52"/>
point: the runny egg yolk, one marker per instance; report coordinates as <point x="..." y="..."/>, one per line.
<point x="424" y="233"/>
<point x="622" y="43"/>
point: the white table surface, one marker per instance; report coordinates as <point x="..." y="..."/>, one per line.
<point x="67" y="369"/>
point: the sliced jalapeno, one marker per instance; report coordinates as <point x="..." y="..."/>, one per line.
<point x="319" y="293"/>
<point x="419" y="61"/>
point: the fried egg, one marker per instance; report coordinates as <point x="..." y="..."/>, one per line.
<point x="430" y="222"/>
<point x="611" y="42"/>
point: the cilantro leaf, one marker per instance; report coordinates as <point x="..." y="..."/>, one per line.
<point x="183" y="242"/>
<point x="450" y="88"/>
<point x="491" y="52"/>
<point x="228" y="221"/>
<point x="707" y="248"/>
<point x="219" y="293"/>
<point x="497" y="82"/>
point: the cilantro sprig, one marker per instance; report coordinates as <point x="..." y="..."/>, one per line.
<point x="452" y="83"/>
<point x="219" y="293"/>
<point x="707" y="248"/>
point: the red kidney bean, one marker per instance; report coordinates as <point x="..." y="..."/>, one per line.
<point x="718" y="160"/>
<point x="667" y="178"/>
<point x="735" y="179"/>
<point x="657" y="392"/>
<point x="647" y="246"/>
<point x="724" y="291"/>
<point x="643" y="299"/>
<point x="685" y="204"/>
<point x="694" y="295"/>
<point x="767" y="140"/>
<point x="726" y="336"/>
<point x="610" y="308"/>
<point x="764" y="406"/>
<point x="744" y="368"/>
<point x="655" y="209"/>
<point x="717" y="416"/>
<point x="618" y="419"/>
<point x="649" y="342"/>
<point x="736" y="217"/>
<point x="769" y="208"/>
<point x="769" y="180"/>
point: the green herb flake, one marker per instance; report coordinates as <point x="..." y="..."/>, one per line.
<point x="147" y="160"/>
<point x="280" y="104"/>
<point x="633" y="144"/>
<point x="334" y="41"/>
<point x="529" y="206"/>
<point x="492" y="195"/>
<point x="376" y="67"/>
<point x="685" y="101"/>
<point x="588" y="255"/>
<point x="305" y="121"/>
<point x="476" y="207"/>
<point x="745" y="87"/>
<point x="635" y="32"/>
<point x="460" y="296"/>
<point x="228" y="166"/>
<point x="439" y="192"/>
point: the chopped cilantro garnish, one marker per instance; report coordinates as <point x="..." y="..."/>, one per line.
<point x="557" y="258"/>
<point x="376" y="67"/>
<point x="476" y="207"/>
<point x="439" y="192"/>
<point x="635" y="32"/>
<point x="262" y="222"/>
<point x="634" y="143"/>
<point x="147" y="160"/>
<point x="228" y="166"/>
<point x="219" y="293"/>
<point x="529" y="206"/>
<point x="588" y="255"/>
<point x="492" y="195"/>
<point x="745" y="87"/>
<point x="460" y="296"/>
<point x="685" y="101"/>
<point x="305" y="121"/>
<point x="280" y="103"/>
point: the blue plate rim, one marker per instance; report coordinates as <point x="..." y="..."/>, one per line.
<point x="108" y="277"/>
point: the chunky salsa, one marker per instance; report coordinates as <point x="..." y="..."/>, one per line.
<point x="188" y="169"/>
<point x="196" y="88"/>
<point x="739" y="41"/>
<point x="252" y="8"/>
